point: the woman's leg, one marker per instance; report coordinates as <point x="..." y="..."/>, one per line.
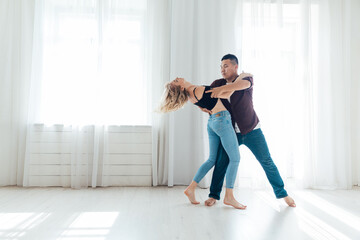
<point x="232" y="149"/>
<point x="190" y="192"/>
<point x="230" y="144"/>
<point x="214" y="142"/>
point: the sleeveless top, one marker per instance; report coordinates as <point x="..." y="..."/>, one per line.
<point x="206" y="101"/>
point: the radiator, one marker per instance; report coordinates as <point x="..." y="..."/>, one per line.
<point x="125" y="160"/>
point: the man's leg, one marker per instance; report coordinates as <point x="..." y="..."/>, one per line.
<point x="255" y="141"/>
<point x="217" y="181"/>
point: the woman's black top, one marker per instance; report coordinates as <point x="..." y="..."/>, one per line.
<point x="206" y="101"/>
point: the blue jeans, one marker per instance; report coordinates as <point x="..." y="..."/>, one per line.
<point x="221" y="134"/>
<point x="256" y="142"/>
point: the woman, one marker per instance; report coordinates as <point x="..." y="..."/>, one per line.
<point x="219" y="127"/>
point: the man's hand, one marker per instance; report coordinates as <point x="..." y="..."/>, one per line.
<point x="205" y="110"/>
<point x="244" y="75"/>
<point x="215" y="92"/>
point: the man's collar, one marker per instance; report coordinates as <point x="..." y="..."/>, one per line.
<point x="235" y="78"/>
<point x="232" y="80"/>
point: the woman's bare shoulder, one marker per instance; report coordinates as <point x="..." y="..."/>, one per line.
<point x="199" y="91"/>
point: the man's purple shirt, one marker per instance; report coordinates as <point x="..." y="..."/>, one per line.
<point x="241" y="107"/>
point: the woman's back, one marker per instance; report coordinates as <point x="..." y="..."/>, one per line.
<point x="204" y="100"/>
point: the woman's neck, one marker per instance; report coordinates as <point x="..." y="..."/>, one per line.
<point x="190" y="88"/>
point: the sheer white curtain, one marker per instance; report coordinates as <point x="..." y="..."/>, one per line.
<point x="200" y="35"/>
<point x="300" y="55"/>
<point x="274" y="36"/>
<point x="355" y="87"/>
<point x="16" y="31"/>
<point x="75" y="64"/>
<point x="303" y="54"/>
<point x="157" y="68"/>
<point x="90" y="64"/>
<point x="92" y="53"/>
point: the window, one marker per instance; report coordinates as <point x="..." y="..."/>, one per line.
<point x="93" y="62"/>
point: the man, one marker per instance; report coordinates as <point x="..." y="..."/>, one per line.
<point x="248" y="131"/>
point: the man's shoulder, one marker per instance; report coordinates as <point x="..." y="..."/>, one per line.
<point x="218" y="82"/>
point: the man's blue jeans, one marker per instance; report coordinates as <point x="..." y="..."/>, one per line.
<point x="221" y="134"/>
<point x="255" y="141"/>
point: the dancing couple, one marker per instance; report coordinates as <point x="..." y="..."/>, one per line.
<point x="232" y="122"/>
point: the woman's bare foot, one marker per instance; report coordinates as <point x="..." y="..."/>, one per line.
<point x="190" y="193"/>
<point x="289" y="201"/>
<point x="230" y="199"/>
<point x="210" y="202"/>
<point x="234" y="203"/>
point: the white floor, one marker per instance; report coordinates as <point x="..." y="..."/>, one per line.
<point x="164" y="213"/>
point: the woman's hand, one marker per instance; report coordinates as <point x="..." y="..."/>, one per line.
<point x="215" y="92"/>
<point x="205" y="110"/>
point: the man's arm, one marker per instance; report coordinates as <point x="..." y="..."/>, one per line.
<point x="225" y="95"/>
<point x="226" y="91"/>
<point x="213" y="84"/>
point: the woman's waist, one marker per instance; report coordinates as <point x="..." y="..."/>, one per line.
<point x="219" y="107"/>
<point x="221" y="113"/>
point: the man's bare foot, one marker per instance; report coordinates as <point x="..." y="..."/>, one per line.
<point x="190" y="193"/>
<point x="234" y="203"/>
<point x="289" y="201"/>
<point x="210" y="202"/>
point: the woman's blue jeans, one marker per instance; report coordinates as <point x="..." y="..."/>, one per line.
<point x="255" y="141"/>
<point x="220" y="130"/>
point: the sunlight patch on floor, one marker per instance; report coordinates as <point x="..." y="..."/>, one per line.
<point x="331" y="209"/>
<point x="316" y="228"/>
<point x="90" y="225"/>
<point x="14" y="225"/>
<point x="269" y="200"/>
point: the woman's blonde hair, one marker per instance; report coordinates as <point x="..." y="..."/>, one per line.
<point x="174" y="98"/>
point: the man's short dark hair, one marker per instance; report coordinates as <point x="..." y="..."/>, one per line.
<point x="231" y="57"/>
